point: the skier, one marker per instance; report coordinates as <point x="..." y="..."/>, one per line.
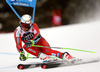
<point x="29" y="33"/>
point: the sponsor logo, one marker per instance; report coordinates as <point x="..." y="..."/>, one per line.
<point x="53" y="54"/>
<point x="17" y="40"/>
<point x="32" y="66"/>
<point x="32" y="50"/>
<point x="58" y="54"/>
<point x="27" y="36"/>
<point x="20" y="3"/>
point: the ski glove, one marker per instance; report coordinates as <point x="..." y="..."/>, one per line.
<point x="22" y="56"/>
<point x="29" y="43"/>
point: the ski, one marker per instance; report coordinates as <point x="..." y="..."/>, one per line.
<point x="59" y="63"/>
<point x="27" y="66"/>
<point x="62" y="64"/>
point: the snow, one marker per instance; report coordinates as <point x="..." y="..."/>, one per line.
<point x="85" y="36"/>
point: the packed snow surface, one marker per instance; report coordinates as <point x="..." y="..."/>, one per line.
<point x="84" y="36"/>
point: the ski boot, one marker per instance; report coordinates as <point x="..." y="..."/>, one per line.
<point x="46" y="58"/>
<point x="68" y="58"/>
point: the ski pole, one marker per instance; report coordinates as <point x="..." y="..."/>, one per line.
<point x="65" y="48"/>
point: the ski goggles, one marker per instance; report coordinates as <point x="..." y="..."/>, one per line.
<point x="25" y="25"/>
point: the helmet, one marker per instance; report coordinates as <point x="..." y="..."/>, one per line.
<point x="25" y="21"/>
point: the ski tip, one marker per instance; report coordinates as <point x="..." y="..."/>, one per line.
<point x="20" y="66"/>
<point x="44" y="66"/>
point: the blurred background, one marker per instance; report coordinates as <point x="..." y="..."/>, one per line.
<point x="50" y="13"/>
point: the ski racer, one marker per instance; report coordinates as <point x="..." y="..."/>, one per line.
<point x="29" y="33"/>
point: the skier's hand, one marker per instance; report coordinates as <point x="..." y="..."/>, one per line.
<point x="29" y="43"/>
<point x="22" y="56"/>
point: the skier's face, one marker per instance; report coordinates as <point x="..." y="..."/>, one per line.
<point x="24" y="28"/>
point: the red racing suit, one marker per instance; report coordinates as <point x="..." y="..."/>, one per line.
<point x="33" y="34"/>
